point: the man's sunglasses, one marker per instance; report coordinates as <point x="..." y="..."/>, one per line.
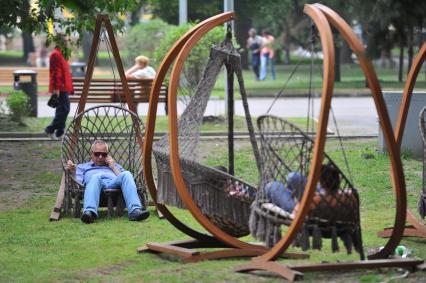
<point x="99" y="154"/>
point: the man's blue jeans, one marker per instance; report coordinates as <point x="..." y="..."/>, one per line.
<point x="265" y="61"/>
<point x="101" y="181"/>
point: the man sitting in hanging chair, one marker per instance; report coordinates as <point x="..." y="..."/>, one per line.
<point x="328" y="191"/>
<point x="286" y="197"/>
<point x="141" y="69"/>
<point x="103" y="173"/>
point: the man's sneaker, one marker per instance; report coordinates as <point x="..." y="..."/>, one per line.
<point x="88" y="217"/>
<point x="138" y="215"/>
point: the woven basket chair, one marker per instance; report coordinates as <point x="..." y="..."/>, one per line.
<point x="116" y="126"/>
<point x="222" y="197"/>
<point x="286" y="148"/>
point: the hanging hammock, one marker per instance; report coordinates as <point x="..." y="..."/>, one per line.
<point x="209" y="187"/>
<point x="285" y="149"/>
<point x="118" y="126"/>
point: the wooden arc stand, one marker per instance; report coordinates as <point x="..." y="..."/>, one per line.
<point x="100" y="19"/>
<point x="416" y="227"/>
<point x="323" y="16"/>
<point x="187" y="249"/>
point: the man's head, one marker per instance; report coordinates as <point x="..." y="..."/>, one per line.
<point x="329" y="178"/>
<point x="142" y="61"/>
<point x="252" y="32"/>
<point x="99" y="152"/>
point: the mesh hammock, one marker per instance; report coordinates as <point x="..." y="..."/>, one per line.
<point x="285" y="148"/>
<point x="116" y="126"/>
<point x="222" y="197"/>
<point x="422" y="198"/>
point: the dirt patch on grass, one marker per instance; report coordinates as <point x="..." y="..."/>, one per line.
<point x="27" y="169"/>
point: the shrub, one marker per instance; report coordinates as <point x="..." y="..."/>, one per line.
<point x="17" y="103"/>
<point x="197" y="59"/>
<point x="144" y="38"/>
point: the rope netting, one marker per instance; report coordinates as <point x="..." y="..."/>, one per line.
<point x="334" y="210"/>
<point x="222" y="197"/>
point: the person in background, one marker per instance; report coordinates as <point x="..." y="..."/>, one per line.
<point x="60" y="84"/>
<point x="267" y="56"/>
<point x="286" y="197"/>
<point x="141" y="69"/>
<point x="254" y="42"/>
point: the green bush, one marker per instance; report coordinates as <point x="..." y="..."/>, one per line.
<point x="17" y="103"/>
<point x="144" y="38"/>
<point x="197" y="59"/>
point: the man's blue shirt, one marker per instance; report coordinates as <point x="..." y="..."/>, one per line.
<point x="85" y="171"/>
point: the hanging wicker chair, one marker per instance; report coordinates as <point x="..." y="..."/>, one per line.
<point x="212" y="189"/>
<point x="286" y="148"/>
<point x="118" y="127"/>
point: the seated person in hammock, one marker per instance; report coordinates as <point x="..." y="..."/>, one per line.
<point x="103" y="173"/>
<point x="286" y="197"/>
<point x="329" y="189"/>
<point x="141" y="69"/>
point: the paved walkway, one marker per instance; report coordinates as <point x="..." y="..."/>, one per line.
<point x="354" y="115"/>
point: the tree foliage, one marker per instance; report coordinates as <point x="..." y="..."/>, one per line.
<point x="144" y="38"/>
<point x="36" y="19"/>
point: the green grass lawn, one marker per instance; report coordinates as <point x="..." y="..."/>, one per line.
<point x="35" y="250"/>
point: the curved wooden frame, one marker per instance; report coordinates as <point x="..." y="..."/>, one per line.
<point x="417" y="228"/>
<point x="178" y="53"/>
<point x="323" y="17"/>
<point x="100" y="19"/>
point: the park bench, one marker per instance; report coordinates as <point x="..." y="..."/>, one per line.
<point x="109" y="90"/>
<point x="7" y="79"/>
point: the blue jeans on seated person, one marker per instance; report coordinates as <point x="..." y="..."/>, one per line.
<point x="279" y="195"/>
<point x="101" y="181"/>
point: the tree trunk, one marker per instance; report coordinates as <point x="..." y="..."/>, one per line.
<point x="401" y="62"/>
<point x="410" y="49"/>
<point x="87" y="45"/>
<point x="27" y="43"/>
<point x="346" y="53"/>
<point x="242" y="25"/>
<point x="337" y="64"/>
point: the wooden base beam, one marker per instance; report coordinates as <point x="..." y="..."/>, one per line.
<point x="185" y="250"/>
<point x="294" y="272"/>
<point x="417" y="228"/>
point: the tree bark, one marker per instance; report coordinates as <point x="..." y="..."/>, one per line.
<point x="401" y="62"/>
<point x="346" y="53"/>
<point x="27" y="43"/>
<point x="337" y="64"/>
<point x="242" y="25"/>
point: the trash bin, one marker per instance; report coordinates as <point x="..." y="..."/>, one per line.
<point x="78" y="69"/>
<point x="411" y="140"/>
<point x="26" y="80"/>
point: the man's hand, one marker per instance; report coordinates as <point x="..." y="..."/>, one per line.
<point x="70" y="166"/>
<point x="110" y="161"/>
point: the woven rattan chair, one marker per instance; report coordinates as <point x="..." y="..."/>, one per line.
<point x="118" y="127"/>
<point x="286" y="148"/>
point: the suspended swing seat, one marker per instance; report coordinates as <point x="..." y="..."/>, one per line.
<point x="285" y="149"/>
<point x="118" y="127"/>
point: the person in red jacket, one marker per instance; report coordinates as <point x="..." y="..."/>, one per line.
<point x="60" y="84"/>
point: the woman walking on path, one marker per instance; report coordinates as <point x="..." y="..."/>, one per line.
<point x="254" y="43"/>
<point x="267" y="56"/>
<point x="60" y="85"/>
